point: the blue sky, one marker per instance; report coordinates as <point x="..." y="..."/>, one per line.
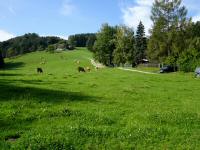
<point x="65" y="17"/>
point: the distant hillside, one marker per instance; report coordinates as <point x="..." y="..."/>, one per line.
<point x="28" y="43"/>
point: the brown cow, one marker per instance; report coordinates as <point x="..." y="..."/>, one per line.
<point x="78" y="62"/>
<point x="88" y="69"/>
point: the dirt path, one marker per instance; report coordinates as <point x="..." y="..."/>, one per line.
<point x="95" y="64"/>
<point x="133" y="70"/>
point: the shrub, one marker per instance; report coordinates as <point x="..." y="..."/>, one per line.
<point x="50" y="49"/>
<point x="190" y="59"/>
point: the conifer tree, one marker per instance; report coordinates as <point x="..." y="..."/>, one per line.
<point x="141" y="43"/>
<point x="169" y="19"/>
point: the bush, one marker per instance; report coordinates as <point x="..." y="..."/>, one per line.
<point x="50" y="49"/>
<point x="172" y="61"/>
<point x="190" y="59"/>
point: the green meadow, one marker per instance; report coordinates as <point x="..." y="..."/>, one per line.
<point x="102" y="109"/>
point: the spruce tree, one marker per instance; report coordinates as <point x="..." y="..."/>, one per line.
<point x="141" y="43"/>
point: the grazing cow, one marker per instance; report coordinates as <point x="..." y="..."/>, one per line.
<point x="88" y="69"/>
<point x="81" y="69"/>
<point x="39" y="70"/>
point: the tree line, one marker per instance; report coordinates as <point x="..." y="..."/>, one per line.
<point x="82" y="40"/>
<point x="28" y="43"/>
<point x="119" y="45"/>
<point x="174" y="40"/>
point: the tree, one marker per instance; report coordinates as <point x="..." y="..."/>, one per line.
<point x="27" y="43"/>
<point x="124" y="42"/>
<point x="120" y="50"/>
<point x="1" y="60"/>
<point x="104" y="45"/>
<point x="190" y="58"/>
<point x="169" y="19"/>
<point x="10" y="52"/>
<point x="157" y="44"/>
<point x="80" y="40"/>
<point x="141" y="43"/>
<point x="90" y="42"/>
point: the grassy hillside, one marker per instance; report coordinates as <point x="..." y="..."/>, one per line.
<point x="104" y="109"/>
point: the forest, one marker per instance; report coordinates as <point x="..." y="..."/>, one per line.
<point x="174" y="40"/>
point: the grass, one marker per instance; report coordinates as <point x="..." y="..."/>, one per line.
<point x="104" y="109"/>
<point x="149" y="69"/>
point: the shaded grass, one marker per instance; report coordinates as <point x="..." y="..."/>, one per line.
<point x="47" y="95"/>
<point x="13" y="65"/>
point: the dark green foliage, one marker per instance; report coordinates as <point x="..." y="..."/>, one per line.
<point x="105" y="45"/>
<point x="80" y="40"/>
<point x="141" y="43"/>
<point x="1" y="61"/>
<point x="174" y="39"/>
<point x="27" y="43"/>
<point x="62" y="45"/>
<point x="50" y="49"/>
<point x="117" y="46"/>
<point x="194" y="29"/>
<point x="168" y="34"/>
<point x="190" y="59"/>
<point x="90" y="42"/>
<point x="125" y="49"/>
<point x="120" y="52"/>
<point x="157" y="42"/>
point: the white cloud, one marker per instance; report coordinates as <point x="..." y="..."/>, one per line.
<point x="67" y="8"/>
<point x="193" y="9"/>
<point x="196" y="18"/>
<point x="63" y="37"/>
<point x="5" y="35"/>
<point x="140" y="11"/>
